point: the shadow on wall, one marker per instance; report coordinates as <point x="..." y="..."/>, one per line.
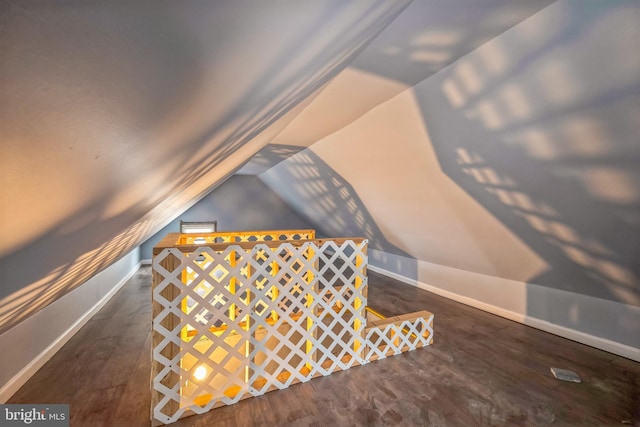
<point x="430" y="34"/>
<point x="324" y="198"/>
<point x="267" y="158"/>
<point x="270" y="98"/>
<point x="39" y="274"/>
<point x="79" y="245"/>
<point x="539" y="128"/>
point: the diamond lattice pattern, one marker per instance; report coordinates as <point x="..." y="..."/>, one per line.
<point x="241" y="322"/>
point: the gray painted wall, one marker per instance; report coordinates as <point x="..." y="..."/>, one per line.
<point x="517" y="164"/>
<point x="243" y="202"/>
<point x="423" y="39"/>
<point x="28" y="345"/>
<point x="540" y="127"/>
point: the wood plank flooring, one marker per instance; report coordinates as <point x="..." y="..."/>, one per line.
<point x="481" y="370"/>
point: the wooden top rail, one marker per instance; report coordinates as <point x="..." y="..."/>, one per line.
<point x="244" y="235"/>
<point x="172" y="239"/>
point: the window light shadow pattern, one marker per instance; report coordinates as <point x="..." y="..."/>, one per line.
<point x="75" y="248"/>
<point x="328" y="201"/>
<point x="62" y="277"/>
<point x="548" y="145"/>
<point x="267" y="158"/>
<point x="431" y="34"/>
<point x="270" y="105"/>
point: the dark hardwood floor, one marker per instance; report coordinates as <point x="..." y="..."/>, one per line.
<point x="481" y="370"/>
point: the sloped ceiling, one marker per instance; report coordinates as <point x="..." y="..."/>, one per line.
<point x="117" y="116"/>
<point x="427" y="36"/>
<point x="517" y="162"/>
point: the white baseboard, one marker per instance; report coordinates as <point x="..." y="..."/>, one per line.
<point x="562" y="331"/>
<point x="145" y="262"/>
<point x="36" y="363"/>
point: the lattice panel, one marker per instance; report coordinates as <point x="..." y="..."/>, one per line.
<point x="232" y="321"/>
<point x="393" y="336"/>
<point x="239" y="322"/>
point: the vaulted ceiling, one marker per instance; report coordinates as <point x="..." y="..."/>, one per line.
<point x="115" y="117"/>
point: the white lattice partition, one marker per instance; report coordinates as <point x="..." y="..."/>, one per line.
<point x="232" y="321"/>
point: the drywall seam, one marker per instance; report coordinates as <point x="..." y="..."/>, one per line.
<point x="19" y="379"/>
<point x="562" y="331"/>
